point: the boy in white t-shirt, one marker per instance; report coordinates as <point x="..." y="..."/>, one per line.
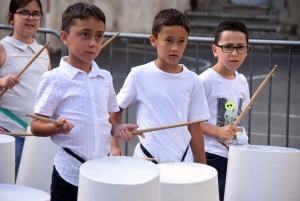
<point x="227" y="94"/>
<point x="166" y="93"/>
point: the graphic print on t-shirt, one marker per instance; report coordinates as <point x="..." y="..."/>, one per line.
<point x="226" y="114"/>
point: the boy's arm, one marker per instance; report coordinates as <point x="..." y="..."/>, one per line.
<point x="223" y="133"/>
<point x="115" y="148"/>
<point x="197" y="143"/>
<point x="45" y="129"/>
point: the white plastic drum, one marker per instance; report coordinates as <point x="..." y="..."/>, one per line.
<point x="119" y="178"/>
<point x="36" y="163"/>
<point x="7" y="159"/>
<point x="9" y="192"/>
<point x="263" y="173"/>
<point x="188" y="181"/>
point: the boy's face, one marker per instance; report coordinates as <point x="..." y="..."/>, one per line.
<point x="230" y="61"/>
<point x="84" y="41"/>
<point x="170" y="44"/>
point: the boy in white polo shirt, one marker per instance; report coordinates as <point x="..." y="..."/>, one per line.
<point x="79" y="91"/>
<point x="166" y="93"/>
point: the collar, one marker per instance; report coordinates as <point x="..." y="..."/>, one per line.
<point x="23" y="46"/>
<point x="71" y="71"/>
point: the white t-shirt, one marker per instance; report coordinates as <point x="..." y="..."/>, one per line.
<point x="163" y="98"/>
<point x="85" y="100"/>
<point x="226" y="100"/>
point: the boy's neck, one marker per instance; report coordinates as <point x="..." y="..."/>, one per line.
<point x="223" y="71"/>
<point x="81" y="65"/>
<point x="168" y="68"/>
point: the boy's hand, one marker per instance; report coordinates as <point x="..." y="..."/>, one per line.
<point x="226" y="133"/>
<point x="1" y="131"/>
<point x="124" y="131"/>
<point x="9" y="81"/>
<point x="66" y="127"/>
<point x="116" y="151"/>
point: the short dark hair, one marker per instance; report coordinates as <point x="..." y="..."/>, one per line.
<point x="80" y="11"/>
<point x="16" y="4"/>
<point x="169" y="17"/>
<point x="231" y="25"/>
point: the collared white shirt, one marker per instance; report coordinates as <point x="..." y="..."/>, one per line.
<point x="85" y="100"/>
<point x="20" y="99"/>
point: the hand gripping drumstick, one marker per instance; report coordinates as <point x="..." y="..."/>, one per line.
<point x="107" y="42"/>
<point x="45" y="119"/>
<point x="27" y="65"/>
<point x="137" y="132"/>
<point x="1" y="102"/>
<point x="262" y="85"/>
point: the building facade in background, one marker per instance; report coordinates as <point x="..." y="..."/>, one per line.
<point x="266" y="19"/>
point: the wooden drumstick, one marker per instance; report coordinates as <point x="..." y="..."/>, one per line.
<point x="45" y="119"/>
<point x="111" y="39"/>
<point x="137" y="132"/>
<point x="150" y="159"/>
<point x="27" y="65"/>
<point x="18" y="134"/>
<point x="260" y="88"/>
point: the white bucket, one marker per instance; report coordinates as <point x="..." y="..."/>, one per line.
<point x="119" y="178"/>
<point x="9" y="192"/>
<point x="37" y="163"/>
<point x="7" y="159"/>
<point x="263" y="173"/>
<point x="188" y="181"/>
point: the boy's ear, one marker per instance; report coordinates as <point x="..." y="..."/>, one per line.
<point x="153" y="40"/>
<point x="63" y="36"/>
<point x="214" y="50"/>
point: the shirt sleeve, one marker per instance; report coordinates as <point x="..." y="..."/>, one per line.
<point x="46" y="98"/>
<point x="128" y="93"/>
<point x="112" y="99"/>
<point x="198" y="108"/>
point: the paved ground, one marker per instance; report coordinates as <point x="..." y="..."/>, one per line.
<point x="260" y="62"/>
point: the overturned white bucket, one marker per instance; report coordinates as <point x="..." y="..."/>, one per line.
<point x="263" y="173"/>
<point x="37" y="163"/>
<point x="188" y="181"/>
<point x="7" y="158"/>
<point x="119" y="178"/>
<point x="9" y="192"/>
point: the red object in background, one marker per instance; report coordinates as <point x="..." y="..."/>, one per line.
<point x="47" y="6"/>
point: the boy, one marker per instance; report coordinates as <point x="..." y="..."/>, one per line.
<point x="166" y="93"/>
<point x="227" y="93"/>
<point x="82" y="93"/>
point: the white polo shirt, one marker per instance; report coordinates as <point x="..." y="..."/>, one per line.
<point x="85" y="100"/>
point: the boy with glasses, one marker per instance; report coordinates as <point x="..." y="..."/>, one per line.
<point x="227" y="94"/>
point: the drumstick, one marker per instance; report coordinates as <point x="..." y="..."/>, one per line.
<point x="150" y="159"/>
<point x="1" y="102"/>
<point x="27" y="65"/>
<point x="45" y="119"/>
<point x="18" y="134"/>
<point x="262" y="85"/>
<point x="136" y="132"/>
<point x="111" y="39"/>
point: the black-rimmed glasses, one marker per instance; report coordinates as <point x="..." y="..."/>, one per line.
<point x="229" y="48"/>
<point x="25" y="14"/>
